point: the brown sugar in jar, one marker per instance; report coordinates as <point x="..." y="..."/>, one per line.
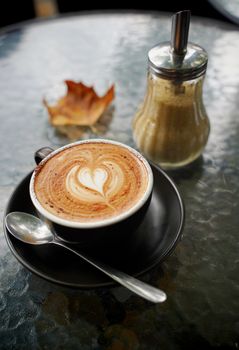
<point x="171" y="127"/>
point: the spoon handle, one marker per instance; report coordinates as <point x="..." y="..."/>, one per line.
<point x="138" y="287"/>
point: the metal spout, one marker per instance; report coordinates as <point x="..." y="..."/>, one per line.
<point x="179" y="32"/>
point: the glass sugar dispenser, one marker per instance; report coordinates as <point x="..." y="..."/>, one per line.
<point x="171" y="128"/>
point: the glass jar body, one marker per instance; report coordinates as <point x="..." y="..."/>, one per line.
<point x="172" y="127"/>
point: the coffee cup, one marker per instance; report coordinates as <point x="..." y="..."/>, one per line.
<point x="92" y="191"/>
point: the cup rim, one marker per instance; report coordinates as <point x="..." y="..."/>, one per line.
<point x="100" y="223"/>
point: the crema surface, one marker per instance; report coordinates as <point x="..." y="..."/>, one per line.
<point x="91" y="182"/>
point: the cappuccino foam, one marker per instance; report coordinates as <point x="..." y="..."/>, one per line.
<point x="91" y="181"/>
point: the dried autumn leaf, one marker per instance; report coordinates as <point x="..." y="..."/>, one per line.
<point x="80" y="106"/>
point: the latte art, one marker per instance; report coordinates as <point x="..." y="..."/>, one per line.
<point x="93" y="179"/>
<point x="81" y="181"/>
<point x="91" y="182"/>
<point x="95" y="184"/>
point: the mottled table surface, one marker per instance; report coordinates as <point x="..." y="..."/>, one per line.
<point x="229" y="9"/>
<point x="201" y="277"/>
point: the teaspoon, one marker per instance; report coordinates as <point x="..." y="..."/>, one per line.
<point x="32" y="230"/>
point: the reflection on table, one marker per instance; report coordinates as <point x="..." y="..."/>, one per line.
<point x="201" y="276"/>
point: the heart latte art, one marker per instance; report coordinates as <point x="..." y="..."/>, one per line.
<point x="91" y="181"/>
<point x="89" y="184"/>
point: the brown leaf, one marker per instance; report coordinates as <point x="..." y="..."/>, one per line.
<point x="80" y="106"/>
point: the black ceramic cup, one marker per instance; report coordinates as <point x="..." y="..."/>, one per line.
<point x="115" y="230"/>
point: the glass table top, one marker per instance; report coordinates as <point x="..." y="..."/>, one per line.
<point x="201" y="277"/>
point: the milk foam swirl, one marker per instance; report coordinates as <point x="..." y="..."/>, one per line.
<point x="90" y="182"/>
<point x="97" y="183"/>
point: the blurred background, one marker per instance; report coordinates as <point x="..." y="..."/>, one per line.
<point x="17" y="11"/>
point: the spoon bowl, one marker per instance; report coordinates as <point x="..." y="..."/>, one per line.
<point x="31" y="230"/>
<point x="28" y="229"/>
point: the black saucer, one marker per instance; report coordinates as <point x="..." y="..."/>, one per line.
<point x="150" y="244"/>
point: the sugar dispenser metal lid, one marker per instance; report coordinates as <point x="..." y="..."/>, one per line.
<point x="178" y="59"/>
